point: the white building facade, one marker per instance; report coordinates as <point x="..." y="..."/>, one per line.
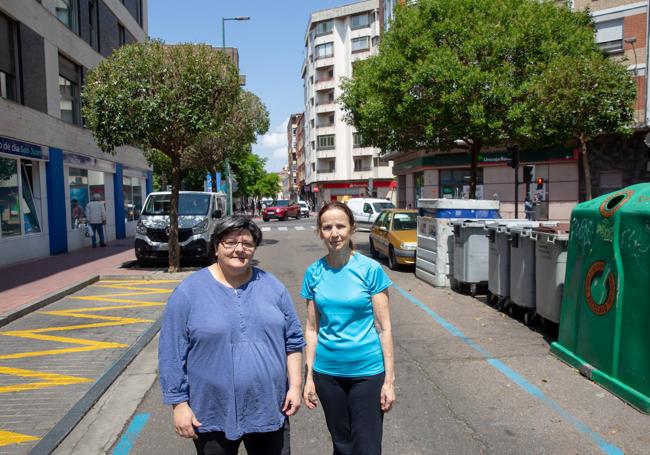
<point x="50" y="165"/>
<point x="337" y="164"/>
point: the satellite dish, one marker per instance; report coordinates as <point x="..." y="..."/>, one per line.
<point x="646" y="140"/>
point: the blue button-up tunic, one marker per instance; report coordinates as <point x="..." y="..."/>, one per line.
<point x="224" y="351"/>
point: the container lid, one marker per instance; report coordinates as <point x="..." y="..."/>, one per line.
<point x="477" y="204"/>
<point x="553" y="228"/>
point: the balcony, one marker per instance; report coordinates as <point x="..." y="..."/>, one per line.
<point x="325" y="129"/>
<point x="363" y="151"/>
<point x="323" y="62"/>
<point x="328" y="106"/>
<point x="326" y="83"/>
<point x="326" y="153"/>
<point x="363" y="174"/>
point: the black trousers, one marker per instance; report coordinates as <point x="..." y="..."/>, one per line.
<point x="353" y="412"/>
<point x="271" y="443"/>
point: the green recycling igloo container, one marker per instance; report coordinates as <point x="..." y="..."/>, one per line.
<point x="605" y="317"/>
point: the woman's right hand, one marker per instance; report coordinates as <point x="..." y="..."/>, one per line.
<point x="309" y="394"/>
<point x="185" y="421"/>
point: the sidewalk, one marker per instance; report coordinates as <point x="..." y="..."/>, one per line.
<point x="25" y="283"/>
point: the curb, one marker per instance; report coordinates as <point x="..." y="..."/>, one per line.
<point x="56" y="435"/>
<point x="46" y="300"/>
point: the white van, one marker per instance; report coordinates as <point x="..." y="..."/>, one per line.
<point x="366" y="210"/>
<point x="198" y="213"/>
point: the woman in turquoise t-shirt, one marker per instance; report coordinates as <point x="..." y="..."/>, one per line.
<point x="349" y="352"/>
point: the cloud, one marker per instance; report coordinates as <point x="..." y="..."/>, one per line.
<point x="277" y="137"/>
<point x="280" y="153"/>
<point x="273" y="146"/>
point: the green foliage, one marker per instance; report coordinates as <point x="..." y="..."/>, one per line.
<point x="248" y="169"/>
<point x="268" y="186"/>
<point x="452" y="70"/>
<point x="246" y="120"/>
<point x="583" y="98"/>
<point x="159" y="96"/>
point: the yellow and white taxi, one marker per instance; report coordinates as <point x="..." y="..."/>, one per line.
<point x="394" y="235"/>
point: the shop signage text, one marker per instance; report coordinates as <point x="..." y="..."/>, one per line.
<point x="24" y="149"/>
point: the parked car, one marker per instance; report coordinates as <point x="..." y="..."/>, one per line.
<point x="394" y="235"/>
<point x="281" y="210"/>
<point x="197" y="215"/>
<point x="304" y="209"/>
<point x="366" y="210"/>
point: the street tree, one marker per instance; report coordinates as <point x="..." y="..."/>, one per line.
<point x="249" y="169"/>
<point x="455" y="74"/>
<point x="247" y="119"/>
<point x="268" y="186"/>
<point x="164" y="97"/>
<point x="582" y="98"/>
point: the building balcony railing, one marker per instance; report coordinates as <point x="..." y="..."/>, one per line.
<point x="321" y="108"/>
<point x="362" y="169"/>
<point x="325" y="84"/>
<point x="326" y="129"/>
<point x="363" y="151"/>
<point x="326" y="153"/>
<point x="323" y="62"/>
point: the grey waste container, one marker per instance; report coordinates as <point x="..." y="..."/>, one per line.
<point x="522" y="271"/>
<point x="470" y="264"/>
<point x="550" y="267"/>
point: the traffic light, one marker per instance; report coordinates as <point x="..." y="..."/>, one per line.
<point x="529" y="173"/>
<point x="540" y="183"/>
<point x="513" y="162"/>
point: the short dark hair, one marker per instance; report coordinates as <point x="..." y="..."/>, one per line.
<point x="336" y="205"/>
<point x="236" y="223"/>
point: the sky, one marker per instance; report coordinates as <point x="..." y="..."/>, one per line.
<point x="271" y="51"/>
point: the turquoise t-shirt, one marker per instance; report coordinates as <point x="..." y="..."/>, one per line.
<point x="348" y="343"/>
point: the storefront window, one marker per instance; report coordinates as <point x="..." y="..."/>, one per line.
<point x="454" y="183"/>
<point x="84" y="184"/>
<point x="30" y="213"/>
<point x="9" y="207"/>
<point x="132" y="190"/>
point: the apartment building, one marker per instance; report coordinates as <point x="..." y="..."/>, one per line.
<point x="337" y="163"/>
<point x="50" y="165"/>
<point x="292" y="155"/>
<point x="300" y="157"/>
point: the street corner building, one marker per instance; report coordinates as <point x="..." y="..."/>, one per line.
<point x="50" y="165"/>
<point x="331" y="160"/>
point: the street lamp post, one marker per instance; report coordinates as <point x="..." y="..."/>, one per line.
<point x="223" y="46"/>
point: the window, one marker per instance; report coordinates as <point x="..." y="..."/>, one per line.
<point x="454" y="183"/>
<point x="138" y="13"/>
<point x="360" y="21"/>
<point x="121" y="31"/>
<point x="69" y="95"/>
<point x="324" y="50"/>
<point x="323" y="28"/>
<point x="92" y="24"/>
<point x="132" y="192"/>
<point x="356" y="140"/>
<point x="83" y="185"/>
<point x="67" y="12"/>
<point x="375" y="41"/>
<point x="360" y="44"/>
<point x="326" y="142"/>
<point x="18" y="212"/>
<point x="7" y="59"/>
<point x="361" y="165"/>
<point x="609" y="36"/>
<point x="377" y="162"/>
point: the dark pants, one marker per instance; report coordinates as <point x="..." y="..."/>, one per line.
<point x="271" y="443"/>
<point x="97" y="227"/>
<point x="353" y="412"/>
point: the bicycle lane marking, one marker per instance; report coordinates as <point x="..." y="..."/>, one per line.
<point x="128" y="439"/>
<point x="606" y="447"/>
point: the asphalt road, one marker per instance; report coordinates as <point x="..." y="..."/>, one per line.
<point x="470" y="380"/>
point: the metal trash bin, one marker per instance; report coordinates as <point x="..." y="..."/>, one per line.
<point x="550" y="268"/>
<point x="605" y="316"/>
<point x="522" y="271"/>
<point x="499" y="259"/>
<point x="470" y="264"/>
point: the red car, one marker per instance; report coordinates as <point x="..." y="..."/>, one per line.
<point x="281" y="210"/>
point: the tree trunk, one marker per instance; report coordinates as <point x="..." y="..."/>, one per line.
<point x="474" y="151"/>
<point x="585" y="167"/>
<point x="173" y="247"/>
<point x="213" y="172"/>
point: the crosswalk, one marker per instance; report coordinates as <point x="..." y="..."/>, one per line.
<point x="287" y="228"/>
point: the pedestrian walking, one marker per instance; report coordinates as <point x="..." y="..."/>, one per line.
<point x="230" y="352"/>
<point x="96" y="217"/>
<point x="529" y="209"/>
<point x="349" y="352"/>
<point x="259" y="208"/>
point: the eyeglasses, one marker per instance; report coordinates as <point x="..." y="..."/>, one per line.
<point x="232" y="244"/>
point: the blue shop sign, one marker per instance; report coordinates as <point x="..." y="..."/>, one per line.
<point x="19" y="148"/>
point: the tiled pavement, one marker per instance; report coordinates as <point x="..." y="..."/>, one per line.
<point x="51" y="358"/>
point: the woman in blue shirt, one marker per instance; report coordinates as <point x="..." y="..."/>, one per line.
<point x="349" y="352"/>
<point x="230" y="352"/>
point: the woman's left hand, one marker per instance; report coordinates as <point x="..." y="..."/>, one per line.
<point x="387" y="396"/>
<point x="292" y="401"/>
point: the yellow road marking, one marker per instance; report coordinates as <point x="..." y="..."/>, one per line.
<point x="7" y="438"/>
<point x="46" y="380"/>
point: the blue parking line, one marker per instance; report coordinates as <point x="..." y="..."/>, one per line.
<point x="131" y="435"/>
<point x="526" y="386"/>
